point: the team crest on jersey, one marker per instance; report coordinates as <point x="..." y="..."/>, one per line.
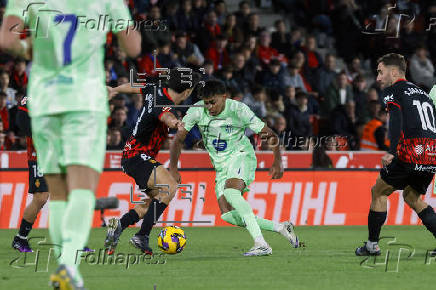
<point x="37" y="183"/>
<point x="388" y="98"/>
<point x="419" y="149"/>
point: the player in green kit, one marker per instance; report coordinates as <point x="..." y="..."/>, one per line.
<point x="222" y="123"/>
<point x="68" y="106"/>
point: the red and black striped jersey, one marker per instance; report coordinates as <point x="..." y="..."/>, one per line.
<point x="149" y="132"/>
<point x="23" y="123"/>
<point x="415" y="113"/>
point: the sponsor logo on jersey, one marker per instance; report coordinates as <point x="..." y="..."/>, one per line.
<point x="219" y="145"/>
<point x="229" y="128"/>
<point x="419" y="149"/>
<point x="414" y="91"/>
<point x="23" y="101"/>
<point x="388" y="98"/>
<point x="429" y="168"/>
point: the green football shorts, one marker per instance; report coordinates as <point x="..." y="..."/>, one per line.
<point x="70" y="138"/>
<point x="240" y="166"/>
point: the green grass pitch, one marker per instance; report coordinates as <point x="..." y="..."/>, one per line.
<point x="213" y="259"/>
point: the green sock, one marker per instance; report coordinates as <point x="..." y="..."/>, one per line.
<point x="56" y="212"/>
<point x="234" y="197"/>
<point x="76" y="225"/>
<point x="232" y="217"/>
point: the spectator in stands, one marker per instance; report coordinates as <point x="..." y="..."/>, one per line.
<point x="250" y="58"/>
<point x="422" y="69"/>
<point x="221" y="11"/>
<point x="320" y="159"/>
<point x="208" y="32"/>
<point x="114" y="140"/>
<point x="227" y="77"/>
<point x="134" y="109"/>
<point x="289" y="96"/>
<point x="256" y="102"/>
<point x="314" y="61"/>
<point x="4" y="88"/>
<point x="280" y="38"/>
<point x="158" y="32"/>
<point x="252" y="27"/>
<point x="361" y="99"/>
<point x="339" y="93"/>
<point x="19" y="76"/>
<point x="186" y="19"/>
<point x="13" y="112"/>
<point x="344" y="123"/>
<point x="121" y="61"/>
<point x="242" y="73"/>
<point x="296" y="80"/>
<point x="186" y="52"/>
<point x="275" y="77"/>
<point x="165" y="57"/>
<point x="2" y="138"/>
<point x="218" y="53"/>
<point x="233" y="33"/>
<point x="354" y="69"/>
<point x="243" y="13"/>
<point x="119" y="118"/>
<point x="208" y="70"/>
<point x="327" y="74"/>
<point x="297" y="117"/>
<point x="4" y="113"/>
<point x="374" y="135"/>
<point x="300" y="60"/>
<point x="264" y="50"/>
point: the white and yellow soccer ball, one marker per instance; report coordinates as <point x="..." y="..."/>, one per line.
<point x="171" y="240"/>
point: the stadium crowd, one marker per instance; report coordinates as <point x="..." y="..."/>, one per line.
<point x="309" y="73"/>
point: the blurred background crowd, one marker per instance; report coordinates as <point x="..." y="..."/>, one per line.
<point x="306" y="67"/>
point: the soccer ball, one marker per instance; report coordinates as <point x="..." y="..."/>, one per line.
<point x="171" y="240"/>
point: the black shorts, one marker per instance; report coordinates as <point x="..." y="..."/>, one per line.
<point x="37" y="181"/>
<point x="400" y="174"/>
<point x="140" y="167"/>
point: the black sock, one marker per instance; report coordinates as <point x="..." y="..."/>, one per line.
<point x="25" y="228"/>
<point x="129" y="218"/>
<point x="428" y="217"/>
<point x="375" y="221"/>
<point x="155" y="210"/>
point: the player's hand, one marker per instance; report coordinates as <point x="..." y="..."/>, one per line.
<point x="276" y="170"/>
<point x="180" y="125"/>
<point x="111" y="93"/>
<point x="387" y="159"/>
<point x="175" y="173"/>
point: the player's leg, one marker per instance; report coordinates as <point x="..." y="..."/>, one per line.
<point x="376" y="217"/>
<point x="46" y="132"/>
<point x="157" y="206"/>
<point x="418" y="185"/>
<point x="30" y="213"/>
<point x="233" y="193"/>
<point x="230" y="215"/>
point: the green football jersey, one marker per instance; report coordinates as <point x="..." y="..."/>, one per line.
<point x="433" y="94"/>
<point x="224" y="134"/>
<point x="67" y="72"/>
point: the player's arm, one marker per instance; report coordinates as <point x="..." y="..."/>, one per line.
<point x="170" y="120"/>
<point x="10" y="37"/>
<point x="123" y="89"/>
<point x="130" y="41"/>
<point x="175" y="149"/>
<point x="395" y="129"/>
<point x="269" y="136"/>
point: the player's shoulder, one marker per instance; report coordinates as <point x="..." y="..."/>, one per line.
<point x="197" y="108"/>
<point x="236" y="105"/>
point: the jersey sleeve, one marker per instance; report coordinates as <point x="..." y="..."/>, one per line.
<point x="433" y="94"/>
<point x="191" y="118"/>
<point x="249" y="119"/>
<point x="120" y="14"/>
<point x="391" y="98"/>
<point x="22" y="119"/>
